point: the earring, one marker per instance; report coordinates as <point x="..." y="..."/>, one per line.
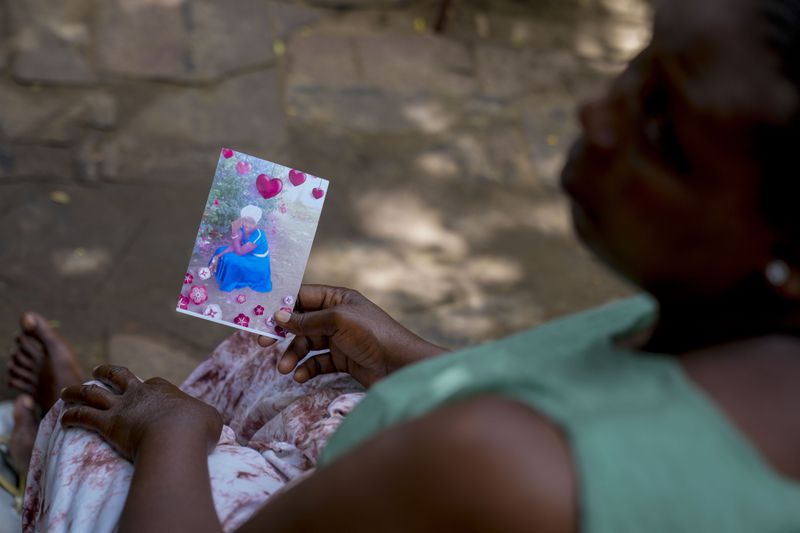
<point x="777" y="273"/>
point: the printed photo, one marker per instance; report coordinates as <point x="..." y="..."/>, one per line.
<point x="253" y="243"/>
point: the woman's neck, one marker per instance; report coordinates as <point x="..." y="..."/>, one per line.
<point x="689" y="325"/>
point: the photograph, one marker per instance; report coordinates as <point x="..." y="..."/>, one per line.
<point x="253" y="243"/>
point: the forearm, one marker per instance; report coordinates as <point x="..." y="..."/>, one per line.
<point x="416" y="351"/>
<point x="240" y="249"/>
<point x="170" y="490"/>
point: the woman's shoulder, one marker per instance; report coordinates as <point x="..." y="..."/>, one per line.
<point x="516" y="462"/>
<point x="258" y="237"/>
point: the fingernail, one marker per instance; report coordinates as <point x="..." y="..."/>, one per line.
<point x="27" y="402"/>
<point x="60" y="394"/>
<point x="283" y="316"/>
<point x="95" y="368"/>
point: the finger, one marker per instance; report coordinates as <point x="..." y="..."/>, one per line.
<point x="117" y="377"/>
<point x="84" y="417"/>
<point x="314" y="366"/>
<point x="158" y="381"/>
<point x="313" y="297"/>
<point x="265" y="341"/>
<point x="90" y="394"/>
<point x="316" y="323"/>
<point x="297" y="350"/>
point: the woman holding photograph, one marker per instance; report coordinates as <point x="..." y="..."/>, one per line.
<point x="672" y="412"/>
<point x="245" y="262"/>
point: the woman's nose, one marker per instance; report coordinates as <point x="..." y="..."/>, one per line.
<point x="597" y="119"/>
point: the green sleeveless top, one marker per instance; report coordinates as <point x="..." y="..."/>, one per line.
<point x="652" y="452"/>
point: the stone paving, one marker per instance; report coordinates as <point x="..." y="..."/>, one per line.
<point x="443" y="151"/>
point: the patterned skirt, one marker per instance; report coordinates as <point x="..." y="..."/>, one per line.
<point x="274" y="431"/>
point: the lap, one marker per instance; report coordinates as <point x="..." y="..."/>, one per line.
<point x="275" y="429"/>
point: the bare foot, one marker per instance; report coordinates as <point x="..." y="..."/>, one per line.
<point x="23" y="435"/>
<point x="42" y="363"/>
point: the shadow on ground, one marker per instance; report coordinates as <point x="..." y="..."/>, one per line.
<point x="442" y="150"/>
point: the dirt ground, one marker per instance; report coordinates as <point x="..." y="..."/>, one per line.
<point x="443" y="152"/>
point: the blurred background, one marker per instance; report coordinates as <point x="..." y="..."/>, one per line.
<point x="443" y="149"/>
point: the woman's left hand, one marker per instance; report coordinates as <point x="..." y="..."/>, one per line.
<point x="137" y="411"/>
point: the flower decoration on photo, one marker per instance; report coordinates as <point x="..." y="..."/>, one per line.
<point x="227" y="153"/>
<point x="270" y="321"/>
<point x="280" y="332"/>
<point x="241" y="298"/>
<point x="258" y="310"/>
<point x="288" y="300"/>
<point x="213" y="311"/>
<point x="198" y="294"/>
<point x="188" y="278"/>
<point x="242" y="320"/>
<point x="183" y="302"/>
<point x="204" y="273"/>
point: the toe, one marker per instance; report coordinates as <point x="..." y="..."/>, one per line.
<point x="23" y="410"/>
<point x="21" y="386"/>
<point x="23" y="374"/>
<point x="23" y="360"/>
<point x="35" y="324"/>
<point x="31" y="348"/>
<point x="28" y="321"/>
<point x="23" y="436"/>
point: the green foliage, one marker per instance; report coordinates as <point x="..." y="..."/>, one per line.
<point x="231" y="192"/>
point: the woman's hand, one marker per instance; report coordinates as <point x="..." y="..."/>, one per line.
<point x="236" y="226"/>
<point x="214" y="264"/>
<point x="363" y="340"/>
<point x="136" y="411"/>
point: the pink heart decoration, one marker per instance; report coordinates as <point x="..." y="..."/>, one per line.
<point x="296" y="177"/>
<point x="243" y="167"/>
<point x="227" y="153"/>
<point x="317" y="193"/>
<point x="268" y="187"/>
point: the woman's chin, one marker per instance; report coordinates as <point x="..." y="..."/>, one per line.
<point x="583" y="224"/>
<point x="588" y="231"/>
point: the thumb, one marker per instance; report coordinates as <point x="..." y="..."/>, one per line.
<point x="317" y="323"/>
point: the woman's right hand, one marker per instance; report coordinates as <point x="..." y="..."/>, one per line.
<point x="363" y="340"/>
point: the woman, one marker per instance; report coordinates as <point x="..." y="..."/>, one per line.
<point x="670" y="412"/>
<point x="245" y="262"/>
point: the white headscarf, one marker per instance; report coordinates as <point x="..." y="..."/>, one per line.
<point x="253" y="212"/>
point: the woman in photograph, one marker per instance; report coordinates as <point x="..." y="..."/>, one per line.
<point x="245" y="262"/>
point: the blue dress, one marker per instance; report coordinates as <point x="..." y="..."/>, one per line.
<point x="249" y="270"/>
